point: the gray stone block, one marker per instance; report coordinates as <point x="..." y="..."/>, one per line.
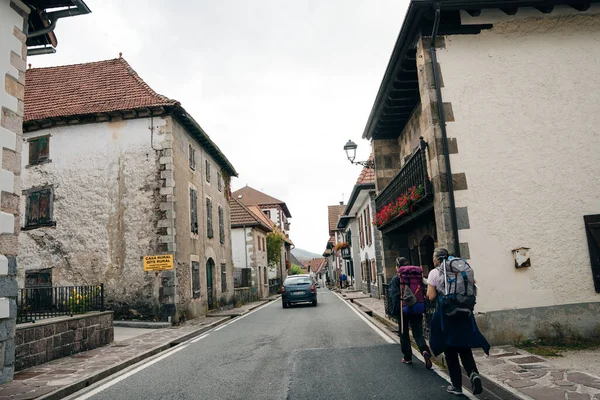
<point x="6" y="329"/>
<point x="12" y="265"/>
<point x="462" y="218"/>
<point x="9" y="352"/>
<point x="8" y="287"/>
<point x="464" y="250"/>
<point x="6" y="374"/>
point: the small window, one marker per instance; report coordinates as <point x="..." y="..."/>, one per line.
<point x="209" y="224"/>
<point x="223" y="278"/>
<point x="39" y="208"/>
<point x="219" y="182"/>
<point x="195" y="279"/>
<point x="39" y="150"/>
<point x="221" y="226"/>
<point x="592" y="230"/>
<point x="267" y="213"/>
<point x="192" y="156"/>
<point x="194" y="211"/>
<point x="207" y="171"/>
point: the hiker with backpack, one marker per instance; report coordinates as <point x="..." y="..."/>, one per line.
<point x="408" y="302"/>
<point x="453" y="328"/>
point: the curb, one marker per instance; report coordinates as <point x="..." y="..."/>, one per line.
<point x="105" y="373"/>
<point x="142" y="324"/>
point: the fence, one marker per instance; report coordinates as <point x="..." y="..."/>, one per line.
<point x="430" y="307"/>
<point x="274" y="286"/>
<point x="39" y="303"/>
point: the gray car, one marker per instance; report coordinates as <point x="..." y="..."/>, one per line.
<point x="298" y="289"/>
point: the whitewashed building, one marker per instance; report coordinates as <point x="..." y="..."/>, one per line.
<point x="488" y="117"/>
<point x="113" y="172"/>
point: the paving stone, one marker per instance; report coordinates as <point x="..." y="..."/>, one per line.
<point x="564" y="383"/>
<point x="507" y="376"/>
<point x="577" y="396"/>
<point x="544" y="393"/>
<point x="583" y="379"/>
<point x="521" y="383"/>
<point x="527" y="360"/>
<point x="558" y="375"/>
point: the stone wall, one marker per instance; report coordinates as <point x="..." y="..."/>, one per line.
<point x="43" y="341"/>
<point x="13" y="53"/>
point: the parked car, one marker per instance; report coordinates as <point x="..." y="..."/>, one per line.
<point x="298" y="289"/>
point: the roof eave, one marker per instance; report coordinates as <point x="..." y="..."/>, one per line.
<point x="355" y="192"/>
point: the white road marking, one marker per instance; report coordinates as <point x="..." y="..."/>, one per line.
<point x="221" y="327"/>
<point x="199" y="338"/>
<point x="416" y="354"/>
<point x="130" y="373"/>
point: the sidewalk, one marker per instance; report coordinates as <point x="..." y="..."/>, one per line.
<point x="519" y="372"/>
<point x="59" y="378"/>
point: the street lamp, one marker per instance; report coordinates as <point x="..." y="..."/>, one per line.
<point x="350" y="148"/>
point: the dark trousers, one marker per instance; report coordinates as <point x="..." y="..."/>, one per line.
<point x="468" y="362"/>
<point x="416" y="325"/>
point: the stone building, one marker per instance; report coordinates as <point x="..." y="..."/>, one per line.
<point x="114" y="172"/>
<point x="364" y="254"/>
<point x="22" y="33"/>
<point x="485" y="135"/>
<point x="336" y="236"/>
<point x="249" y="229"/>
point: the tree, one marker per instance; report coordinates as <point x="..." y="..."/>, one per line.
<point x="274" y="242"/>
<point x="295" y="270"/>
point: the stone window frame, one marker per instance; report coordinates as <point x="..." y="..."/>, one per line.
<point x="39" y="160"/>
<point x="51" y="222"/>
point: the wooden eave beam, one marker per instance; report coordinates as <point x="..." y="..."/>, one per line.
<point x="474" y="13"/>
<point x="546" y="9"/>
<point x="581" y="6"/>
<point x="510" y="10"/>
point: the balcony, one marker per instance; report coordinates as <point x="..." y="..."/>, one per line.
<point x="413" y="175"/>
<point x="346" y="254"/>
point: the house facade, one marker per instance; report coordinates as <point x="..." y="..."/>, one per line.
<point x="484" y="132"/>
<point x="279" y="214"/>
<point x="249" y="229"/>
<point x="336" y="238"/>
<point x="22" y="33"/>
<point x="114" y="172"/>
<point x="363" y="257"/>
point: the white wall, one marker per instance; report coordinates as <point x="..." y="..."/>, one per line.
<point x="104" y="177"/>
<point x="368" y="250"/>
<point x="526" y="101"/>
<point x="238" y="248"/>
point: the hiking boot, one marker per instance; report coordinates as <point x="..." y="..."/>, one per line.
<point x="476" y="383"/>
<point x="427" y="357"/>
<point x="454" y="391"/>
<point x="405" y="361"/>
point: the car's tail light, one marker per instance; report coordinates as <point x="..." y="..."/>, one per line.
<point x="282" y="289"/>
<point x="312" y="288"/>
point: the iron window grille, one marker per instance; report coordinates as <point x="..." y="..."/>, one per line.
<point x="39" y="150"/>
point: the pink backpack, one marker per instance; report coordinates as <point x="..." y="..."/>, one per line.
<point x="411" y="284"/>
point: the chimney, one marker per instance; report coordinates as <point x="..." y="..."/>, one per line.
<point x="341" y="203"/>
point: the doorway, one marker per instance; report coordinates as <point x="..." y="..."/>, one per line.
<point x="210" y="297"/>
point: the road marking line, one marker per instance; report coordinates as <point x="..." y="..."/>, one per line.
<point x="199" y="338"/>
<point x="130" y="373"/>
<point x="221" y="327"/>
<point x="373" y="326"/>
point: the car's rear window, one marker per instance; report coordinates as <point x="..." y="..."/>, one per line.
<point x="297" y="281"/>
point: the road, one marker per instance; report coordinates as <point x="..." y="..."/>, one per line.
<point x="327" y="352"/>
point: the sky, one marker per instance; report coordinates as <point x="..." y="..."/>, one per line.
<point x="279" y="85"/>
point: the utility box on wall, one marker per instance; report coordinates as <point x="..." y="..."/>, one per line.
<point x="522" y="257"/>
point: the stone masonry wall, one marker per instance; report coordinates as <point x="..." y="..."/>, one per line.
<point x="13" y="55"/>
<point x="61" y="337"/>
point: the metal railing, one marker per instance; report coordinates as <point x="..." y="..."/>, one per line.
<point x="274" y="286"/>
<point x="413" y="173"/>
<point x="430" y="308"/>
<point x="39" y="303"/>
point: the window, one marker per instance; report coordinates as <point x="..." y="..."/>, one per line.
<point x="192" y="156"/>
<point x="592" y="230"/>
<point x="193" y="211"/>
<point x="373" y="271"/>
<point x="39" y="208"/>
<point x="361" y="231"/>
<point x="267" y="213"/>
<point x="219" y="182"/>
<point x="195" y="279"/>
<point x="349" y="237"/>
<point x="207" y="171"/>
<point x="209" y="225"/>
<point x="259" y="243"/>
<point x="221" y="226"/>
<point x="368" y="226"/>
<point x="223" y="278"/>
<point x="39" y="149"/>
<point x="264" y="244"/>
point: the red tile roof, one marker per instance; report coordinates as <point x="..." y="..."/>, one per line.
<point x="367" y="175"/>
<point x="334" y="215"/>
<point x="252" y="197"/>
<point x="90" y="88"/>
<point x="316" y="265"/>
<point x="242" y="216"/>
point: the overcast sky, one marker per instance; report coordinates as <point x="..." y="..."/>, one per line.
<point x="279" y="85"/>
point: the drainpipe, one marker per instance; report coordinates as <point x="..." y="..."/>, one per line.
<point x="80" y="9"/>
<point x="442" y="119"/>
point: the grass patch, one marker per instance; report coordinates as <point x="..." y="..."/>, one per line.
<point x="555" y="346"/>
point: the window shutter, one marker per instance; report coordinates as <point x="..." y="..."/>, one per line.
<point x="209" y="225"/>
<point x="361" y="230"/>
<point x="592" y="230"/>
<point x="221" y="226"/>
<point x="207" y="171"/>
<point x="195" y="279"/>
<point x="368" y="226"/>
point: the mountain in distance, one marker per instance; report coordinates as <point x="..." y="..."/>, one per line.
<point x="304" y="255"/>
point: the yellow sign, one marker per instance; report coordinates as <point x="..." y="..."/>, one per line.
<point x="158" y="263"/>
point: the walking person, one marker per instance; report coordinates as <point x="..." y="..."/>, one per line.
<point x="453" y="328"/>
<point x="406" y="291"/>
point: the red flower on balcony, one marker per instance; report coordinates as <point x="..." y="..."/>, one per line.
<point x="404" y="205"/>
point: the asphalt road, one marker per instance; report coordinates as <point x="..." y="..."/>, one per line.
<point x="324" y="352"/>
